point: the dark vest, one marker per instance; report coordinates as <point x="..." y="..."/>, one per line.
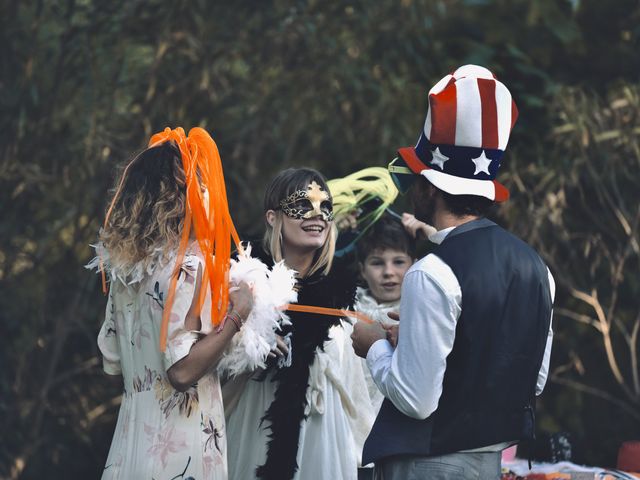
<point x="488" y="392"/>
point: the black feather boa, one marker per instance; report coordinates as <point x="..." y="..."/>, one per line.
<point x="309" y="331"/>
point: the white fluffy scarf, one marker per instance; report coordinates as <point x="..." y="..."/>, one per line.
<point x="272" y="289"/>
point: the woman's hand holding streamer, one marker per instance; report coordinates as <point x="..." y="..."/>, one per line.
<point x="241" y="299"/>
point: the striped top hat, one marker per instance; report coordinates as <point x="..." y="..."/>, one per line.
<point x="468" y="123"/>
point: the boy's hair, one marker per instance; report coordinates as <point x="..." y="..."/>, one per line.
<point x="386" y="234"/>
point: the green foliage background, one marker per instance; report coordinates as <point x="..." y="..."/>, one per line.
<point x="331" y="84"/>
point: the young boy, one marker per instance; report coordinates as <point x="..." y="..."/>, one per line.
<point x="385" y="254"/>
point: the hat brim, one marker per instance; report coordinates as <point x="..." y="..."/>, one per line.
<point x="491" y="189"/>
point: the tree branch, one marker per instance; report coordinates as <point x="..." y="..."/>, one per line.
<point x="581" y="387"/>
<point x="578" y="317"/>
<point x="605" y="326"/>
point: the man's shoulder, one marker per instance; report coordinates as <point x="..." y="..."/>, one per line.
<point x="494" y="233"/>
<point x="436" y="270"/>
<point x="429" y="263"/>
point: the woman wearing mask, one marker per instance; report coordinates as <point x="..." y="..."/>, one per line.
<point x="298" y="418"/>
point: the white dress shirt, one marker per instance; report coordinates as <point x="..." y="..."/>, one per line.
<point x="411" y="375"/>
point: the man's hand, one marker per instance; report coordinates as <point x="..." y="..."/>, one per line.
<point x="364" y="335"/>
<point x="392" y="334"/>
<point x="394" y="316"/>
<point x="392" y="330"/>
<point x="415" y="227"/>
<point x="348" y="221"/>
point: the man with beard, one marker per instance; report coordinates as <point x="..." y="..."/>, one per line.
<point x="475" y="332"/>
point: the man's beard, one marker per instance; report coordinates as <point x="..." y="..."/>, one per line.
<point x="425" y="206"/>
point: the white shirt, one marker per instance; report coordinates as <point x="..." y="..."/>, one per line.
<point x="430" y="306"/>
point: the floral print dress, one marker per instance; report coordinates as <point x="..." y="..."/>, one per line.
<point x="161" y="433"/>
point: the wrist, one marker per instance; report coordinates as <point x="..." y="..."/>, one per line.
<point x="243" y="313"/>
<point x="236" y="318"/>
<point x="233" y="317"/>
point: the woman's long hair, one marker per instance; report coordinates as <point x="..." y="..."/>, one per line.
<point x="147" y="218"/>
<point x="283" y="185"/>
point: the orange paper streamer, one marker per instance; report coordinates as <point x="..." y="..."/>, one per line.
<point x="335" y="312"/>
<point x="213" y="228"/>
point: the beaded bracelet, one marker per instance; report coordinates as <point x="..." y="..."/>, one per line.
<point x="236" y="319"/>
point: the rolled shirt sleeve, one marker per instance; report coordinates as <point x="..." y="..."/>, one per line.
<point x="411" y="375"/>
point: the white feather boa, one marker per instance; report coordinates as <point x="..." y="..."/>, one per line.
<point x="272" y="289"/>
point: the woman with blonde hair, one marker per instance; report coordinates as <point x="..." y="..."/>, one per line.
<point x="297" y="418"/>
<point x="157" y="248"/>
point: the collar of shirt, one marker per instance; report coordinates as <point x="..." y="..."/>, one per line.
<point x="440" y="235"/>
<point x="367" y="302"/>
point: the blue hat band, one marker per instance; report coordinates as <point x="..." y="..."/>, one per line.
<point x="464" y="162"/>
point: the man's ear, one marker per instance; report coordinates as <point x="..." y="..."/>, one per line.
<point x="270" y="217"/>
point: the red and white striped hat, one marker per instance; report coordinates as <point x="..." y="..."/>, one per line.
<point x="466" y="131"/>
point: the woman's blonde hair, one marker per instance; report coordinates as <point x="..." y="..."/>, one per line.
<point x="147" y="217"/>
<point x="283" y="185"/>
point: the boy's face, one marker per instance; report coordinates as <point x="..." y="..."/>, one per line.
<point x="383" y="270"/>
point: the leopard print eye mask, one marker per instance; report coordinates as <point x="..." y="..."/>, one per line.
<point x="309" y="203"/>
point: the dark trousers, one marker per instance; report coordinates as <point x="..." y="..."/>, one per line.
<point x="455" y="466"/>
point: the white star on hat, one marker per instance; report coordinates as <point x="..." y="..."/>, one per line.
<point x="438" y="158"/>
<point x="482" y="164"/>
